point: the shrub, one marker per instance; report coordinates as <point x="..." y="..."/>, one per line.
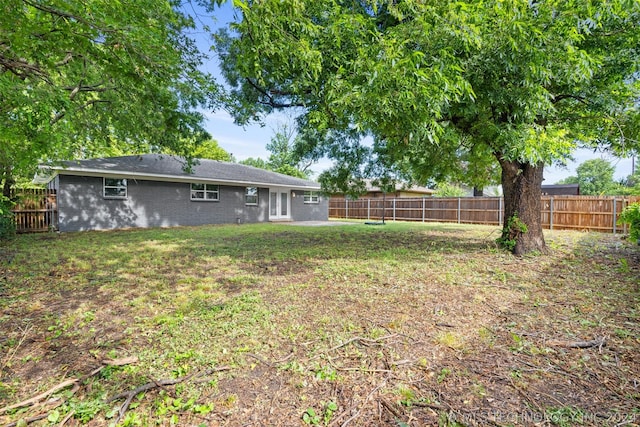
<point x="7" y="224"/>
<point x="631" y="215"/>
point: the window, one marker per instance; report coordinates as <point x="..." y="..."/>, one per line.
<point x="114" y="188"/>
<point x="205" y="192"/>
<point x="251" y="196"/>
<point x="311" y="197"/>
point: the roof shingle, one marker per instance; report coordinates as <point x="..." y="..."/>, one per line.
<point x="168" y="166"/>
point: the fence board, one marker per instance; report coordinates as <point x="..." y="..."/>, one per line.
<point x="588" y="213"/>
<point x="36" y="210"/>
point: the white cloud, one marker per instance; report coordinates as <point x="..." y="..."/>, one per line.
<point x="219" y="115"/>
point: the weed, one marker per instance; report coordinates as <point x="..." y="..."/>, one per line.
<point x="623" y="333"/>
<point x="310" y="417"/>
<point x="326" y="373"/>
<point x="407" y="395"/>
<point x="444" y="373"/>
<point x="519" y="343"/>
<point x="451" y="340"/>
<point x="624" y="266"/>
<point x="511" y="232"/>
<point x="487" y="336"/>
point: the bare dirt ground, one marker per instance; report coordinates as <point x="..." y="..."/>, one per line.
<point x="401" y="325"/>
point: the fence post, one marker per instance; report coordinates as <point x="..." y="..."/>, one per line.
<point x="423" y="209"/>
<point x="458" y="210"/>
<point x="346" y="208"/>
<point x="551" y="213"/>
<point x="368" y="209"/>
<point x="500" y="211"/>
<point x="624" y="225"/>
<point x="394" y="209"/>
<point x="614" y="215"/>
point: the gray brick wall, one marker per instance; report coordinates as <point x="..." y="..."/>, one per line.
<point x="164" y="204"/>
<point x="301" y="211"/>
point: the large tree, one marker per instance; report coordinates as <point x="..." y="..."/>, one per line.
<point x="85" y="78"/>
<point x="442" y="85"/>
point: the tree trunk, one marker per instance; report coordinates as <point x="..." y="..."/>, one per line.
<point x="521" y="186"/>
<point x="7" y="181"/>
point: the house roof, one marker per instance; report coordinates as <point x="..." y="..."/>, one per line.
<point x="401" y="187"/>
<point x="164" y="167"/>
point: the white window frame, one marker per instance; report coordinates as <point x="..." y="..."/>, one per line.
<point x="311" y="197"/>
<point x="248" y="196"/>
<point x="210" y="192"/>
<point x="117" y="184"/>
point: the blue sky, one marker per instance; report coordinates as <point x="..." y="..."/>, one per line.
<point x="250" y="141"/>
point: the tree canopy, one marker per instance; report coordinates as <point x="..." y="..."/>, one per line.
<point x="283" y="158"/>
<point x="84" y="78"/>
<point x="594" y="176"/>
<point x="442" y="87"/>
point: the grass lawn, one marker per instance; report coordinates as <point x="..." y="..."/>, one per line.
<point x="275" y="324"/>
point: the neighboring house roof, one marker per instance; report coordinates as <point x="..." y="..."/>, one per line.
<point x="401" y="187"/>
<point x="561" y="189"/>
<point x="164" y="167"/>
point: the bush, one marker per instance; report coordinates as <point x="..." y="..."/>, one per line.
<point x="7" y="224"/>
<point x="631" y="215"/>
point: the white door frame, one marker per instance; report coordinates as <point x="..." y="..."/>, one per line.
<point x="276" y="212"/>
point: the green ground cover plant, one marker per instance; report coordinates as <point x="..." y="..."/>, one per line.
<point x="277" y="324"/>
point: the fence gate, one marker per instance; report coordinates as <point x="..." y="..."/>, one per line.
<point x="36" y="210"/>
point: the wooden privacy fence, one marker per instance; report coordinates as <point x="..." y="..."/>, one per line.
<point x="36" y="210"/>
<point x="592" y="213"/>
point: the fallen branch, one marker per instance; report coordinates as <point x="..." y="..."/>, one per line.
<point x="598" y="342"/>
<point x="34" y="400"/>
<point x="365" y="370"/>
<point x="120" y="362"/>
<point x="28" y="420"/>
<point x="129" y="395"/>
<point x="39" y="397"/>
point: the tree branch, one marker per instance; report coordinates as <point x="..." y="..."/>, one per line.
<point x="270" y="99"/>
<point x="67" y="15"/>
<point x="558" y="98"/>
<point x="60" y="115"/>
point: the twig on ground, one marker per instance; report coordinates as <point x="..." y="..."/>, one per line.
<point x="67" y="418"/>
<point x="427" y="405"/>
<point x="524" y="395"/>
<point x="129" y="395"/>
<point x="357" y="414"/>
<point x="260" y="359"/>
<point x="366" y="370"/>
<point x="389" y="407"/>
<point x="271" y="364"/>
<point x="362" y="340"/>
<point x="29" y="420"/>
<point x="598" y="342"/>
<point x="11" y="354"/>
